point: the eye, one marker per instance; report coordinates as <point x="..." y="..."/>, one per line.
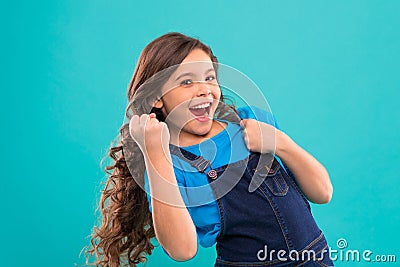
<point x="186" y="82"/>
<point x="210" y="78"/>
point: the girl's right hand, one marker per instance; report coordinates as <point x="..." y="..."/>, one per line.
<point x="150" y="134"/>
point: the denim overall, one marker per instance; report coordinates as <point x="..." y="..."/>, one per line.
<point x="255" y="226"/>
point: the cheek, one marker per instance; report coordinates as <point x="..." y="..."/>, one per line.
<point x="176" y="111"/>
<point x="217" y="93"/>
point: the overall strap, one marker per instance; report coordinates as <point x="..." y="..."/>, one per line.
<point x="196" y="161"/>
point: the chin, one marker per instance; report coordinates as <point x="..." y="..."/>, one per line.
<point x="201" y="129"/>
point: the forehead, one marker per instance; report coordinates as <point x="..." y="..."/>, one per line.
<point x="197" y="55"/>
<point x="196" y="62"/>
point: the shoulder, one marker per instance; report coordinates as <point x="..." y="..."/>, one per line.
<point x="256" y="113"/>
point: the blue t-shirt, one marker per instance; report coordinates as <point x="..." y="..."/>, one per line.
<point x="226" y="147"/>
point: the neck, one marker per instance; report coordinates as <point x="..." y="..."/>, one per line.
<point x="182" y="138"/>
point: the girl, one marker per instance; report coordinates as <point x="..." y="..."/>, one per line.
<point x="181" y="136"/>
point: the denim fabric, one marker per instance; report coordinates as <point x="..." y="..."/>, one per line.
<point x="226" y="147"/>
<point x="276" y="216"/>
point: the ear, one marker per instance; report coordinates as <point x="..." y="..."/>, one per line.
<point x="159" y="103"/>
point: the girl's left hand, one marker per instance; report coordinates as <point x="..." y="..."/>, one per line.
<point x="312" y="177"/>
<point x="259" y="136"/>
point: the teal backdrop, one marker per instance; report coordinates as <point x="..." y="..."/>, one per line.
<point x="329" y="69"/>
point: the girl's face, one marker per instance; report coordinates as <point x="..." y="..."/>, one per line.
<point x="190" y="96"/>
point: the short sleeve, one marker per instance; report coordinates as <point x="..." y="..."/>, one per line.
<point x="252" y="112"/>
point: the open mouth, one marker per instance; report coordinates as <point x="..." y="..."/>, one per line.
<point x="201" y="110"/>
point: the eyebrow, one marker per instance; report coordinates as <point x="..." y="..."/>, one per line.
<point x="192" y="74"/>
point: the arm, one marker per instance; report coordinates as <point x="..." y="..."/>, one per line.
<point x="311" y="176"/>
<point x="173" y="225"/>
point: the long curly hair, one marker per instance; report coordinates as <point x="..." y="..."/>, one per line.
<point x="124" y="236"/>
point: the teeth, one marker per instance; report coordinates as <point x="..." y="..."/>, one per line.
<point x="205" y="105"/>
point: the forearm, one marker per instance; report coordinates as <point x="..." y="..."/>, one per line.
<point x="311" y="176"/>
<point x="173" y="225"/>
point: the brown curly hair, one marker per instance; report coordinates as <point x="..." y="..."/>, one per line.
<point x="124" y="236"/>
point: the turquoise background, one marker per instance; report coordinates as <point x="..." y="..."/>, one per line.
<point x="330" y="70"/>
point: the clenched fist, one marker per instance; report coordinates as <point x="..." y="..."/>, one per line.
<point x="150" y="134"/>
<point x="259" y="136"/>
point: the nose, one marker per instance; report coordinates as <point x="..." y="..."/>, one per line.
<point x="203" y="89"/>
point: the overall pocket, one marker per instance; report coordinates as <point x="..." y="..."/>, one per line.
<point x="274" y="179"/>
